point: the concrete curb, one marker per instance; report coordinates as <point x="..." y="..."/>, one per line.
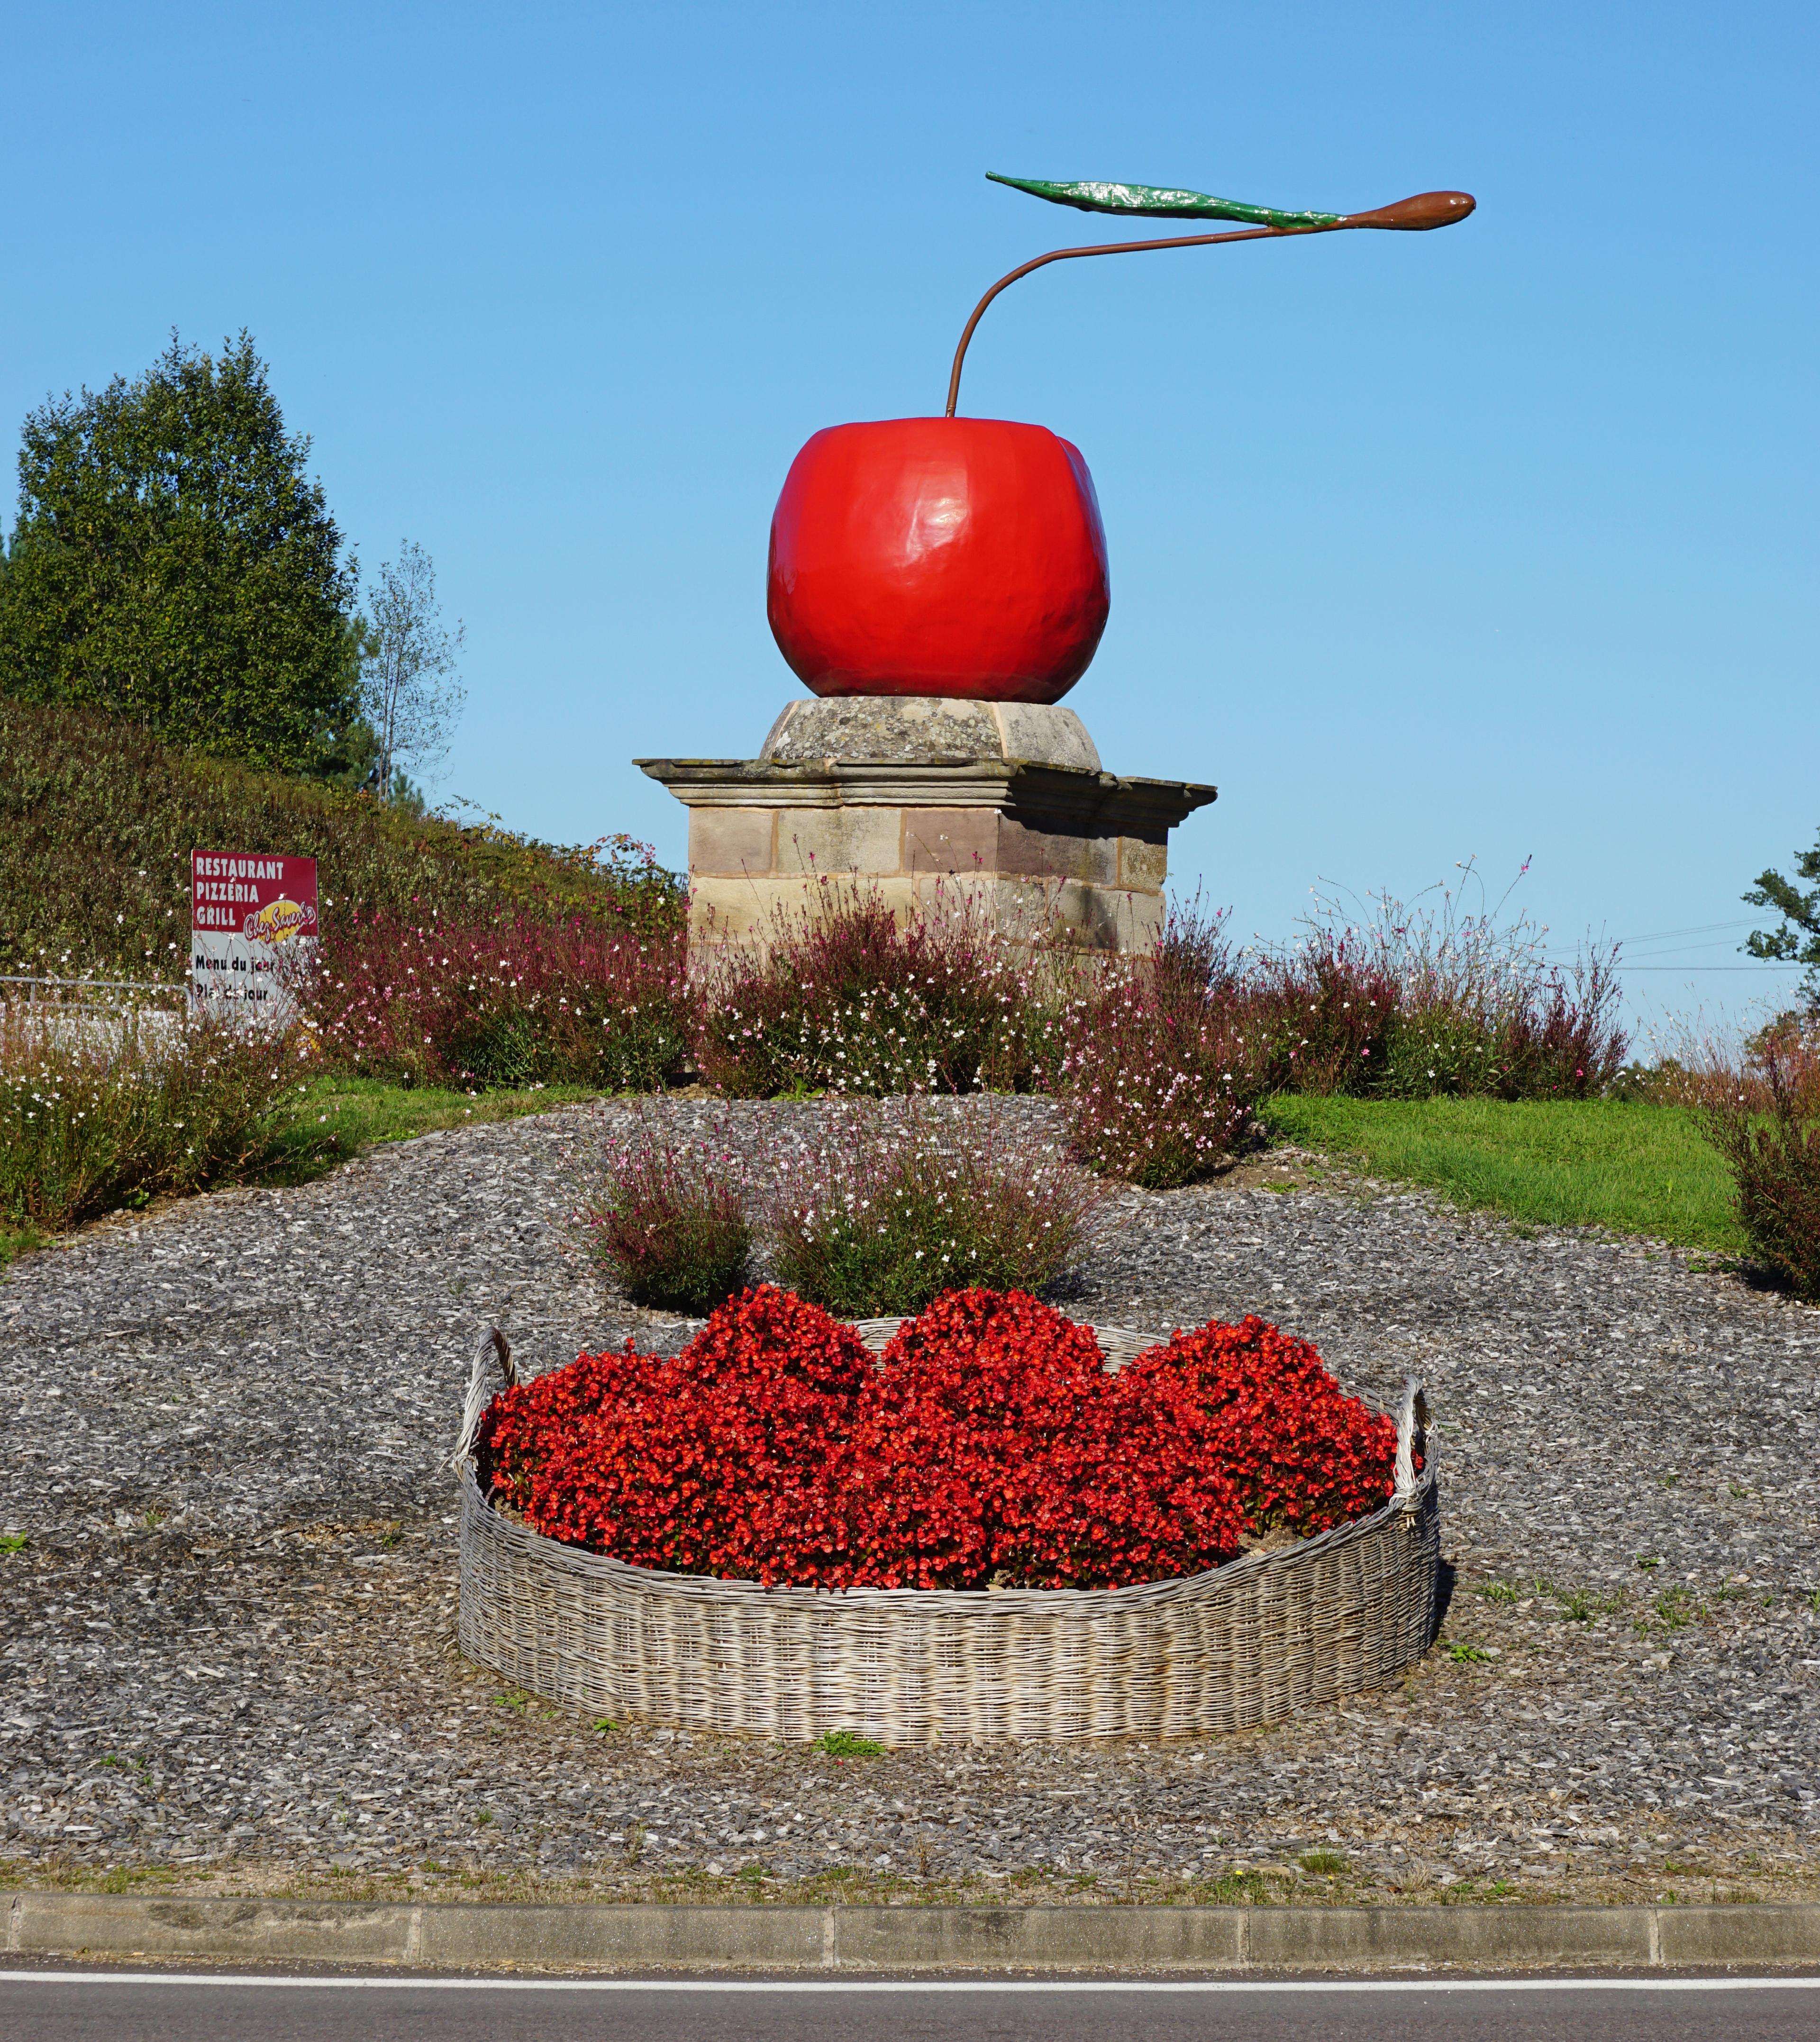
<point x="477" y="1937"/>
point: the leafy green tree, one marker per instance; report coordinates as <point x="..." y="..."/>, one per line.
<point x="174" y="563"/>
<point x="1797" y="940"/>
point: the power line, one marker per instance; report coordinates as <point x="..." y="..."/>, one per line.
<point x="1721" y="944"/>
<point x="1702" y="929"/>
<point x="1698" y="929"/>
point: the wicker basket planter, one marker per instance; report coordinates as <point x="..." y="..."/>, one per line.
<point x="1249" y="1642"/>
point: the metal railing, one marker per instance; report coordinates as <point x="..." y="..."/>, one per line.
<point x="144" y="988"/>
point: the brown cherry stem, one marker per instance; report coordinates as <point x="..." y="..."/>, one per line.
<point x="1417" y="215"/>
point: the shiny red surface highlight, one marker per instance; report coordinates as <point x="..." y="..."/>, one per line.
<point x="939" y="556"/>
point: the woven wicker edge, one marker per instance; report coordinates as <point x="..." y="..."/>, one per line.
<point x="1119" y="1343"/>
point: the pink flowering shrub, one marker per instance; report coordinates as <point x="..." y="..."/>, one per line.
<point x="879" y="1207"/>
<point x="1324" y="1012"/>
<point x="509" y="1000"/>
<point x="1562" y="1041"/>
<point x="867" y="1207"/>
<point x="1163" y="1060"/>
<point x="1166" y="1056"/>
<point x="1435" y="997"/>
<point x="667" y="1218"/>
<point x="844" y="999"/>
<point x="1764" y="1120"/>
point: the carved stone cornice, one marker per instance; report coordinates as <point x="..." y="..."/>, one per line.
<point x="1046" y="797"/>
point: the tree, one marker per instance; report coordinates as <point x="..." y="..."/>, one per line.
<point x="409" y="693"/>
<point x="173" y="563"/>
<point x="1797" y="940"/>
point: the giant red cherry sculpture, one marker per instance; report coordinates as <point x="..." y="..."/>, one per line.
<point x="939" y="556"/>
<point x="965" y="556"/>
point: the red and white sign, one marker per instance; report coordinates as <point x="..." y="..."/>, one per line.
<point x="253" y="932"/>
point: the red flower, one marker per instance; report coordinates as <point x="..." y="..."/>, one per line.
<point x="1301" y="1454"/>
<point x="988" y="1445"/>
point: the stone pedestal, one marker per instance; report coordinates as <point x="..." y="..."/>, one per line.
<point x="918" y="798"/>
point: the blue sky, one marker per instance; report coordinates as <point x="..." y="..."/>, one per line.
<point x="1499" y="541"/>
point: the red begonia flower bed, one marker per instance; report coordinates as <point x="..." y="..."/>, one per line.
<point x="988" y="1446"/>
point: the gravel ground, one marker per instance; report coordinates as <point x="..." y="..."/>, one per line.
<point x="227" y="1656"/>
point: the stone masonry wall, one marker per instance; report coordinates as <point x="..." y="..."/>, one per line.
<point x="748" y="866"/>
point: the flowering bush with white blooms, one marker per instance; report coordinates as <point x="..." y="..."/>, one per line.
<point x="878" y="1208"/>
<point x="95" y="1114"/>
<point x="667" y="1218"/>
<point x="508" y="1000"/>
<point x="1165" y="1056"/>
<point x="844" y="999"/>
<point x="870" y="1207"/>
<point x="1442" y="996"/>
<point x="1162" y="1065"/>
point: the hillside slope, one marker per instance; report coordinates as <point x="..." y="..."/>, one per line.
<point x="98" y="821"/>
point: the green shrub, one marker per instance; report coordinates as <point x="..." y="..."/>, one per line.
<point x="848" y="1744"/>
<point x="843" y="999"/>
<point x="98" y="821"/>
<point x="95" y="1114"/>
<point x="668" y="1221"/>
<point x="1162" y="1060"/>
<point x="1439" y="1050"/>
<point x="1776" y="1166"/>
<point x="880" y="1209"/>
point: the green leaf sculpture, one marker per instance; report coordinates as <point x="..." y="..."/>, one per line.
<point x="1427" y="210"/>
<point x="1152" y="200"/>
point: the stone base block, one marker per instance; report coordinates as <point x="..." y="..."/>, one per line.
<point x="904" y="729"/>
<point x="1048" y="849"/>
<point x="724" y="910"/>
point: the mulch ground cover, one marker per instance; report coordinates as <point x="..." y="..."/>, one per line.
<point x="226" y="1645"/>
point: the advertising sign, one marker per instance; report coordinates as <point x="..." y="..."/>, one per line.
<point x="253" y="932"/>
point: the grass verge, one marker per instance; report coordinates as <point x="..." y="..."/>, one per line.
<point x="337" y="1117"/>
<point x="327" y="1122"/>
<point x="1633" y="1169"/>
<point x="16" y="1239"/>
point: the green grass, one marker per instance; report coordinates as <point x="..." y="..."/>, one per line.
<point x="20" y="1240"/>
<point x="338" y="1117"/>
<point x="1636" y="1169"/>
<point x="848" y="1744"/>
<point x="335" y="1118"/>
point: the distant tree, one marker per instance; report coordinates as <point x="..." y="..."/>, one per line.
<point x="173" y="563"/>
<point x="1797" y="940"/>
<point x="350" y="756"/>
<point x="409" y="693"/>
<point x="347" y="749"/>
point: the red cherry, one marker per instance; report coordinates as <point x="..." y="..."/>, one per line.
<point x="939" y="556"/>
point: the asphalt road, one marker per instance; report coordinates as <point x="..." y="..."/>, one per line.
<point x="97" y="2006"/>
